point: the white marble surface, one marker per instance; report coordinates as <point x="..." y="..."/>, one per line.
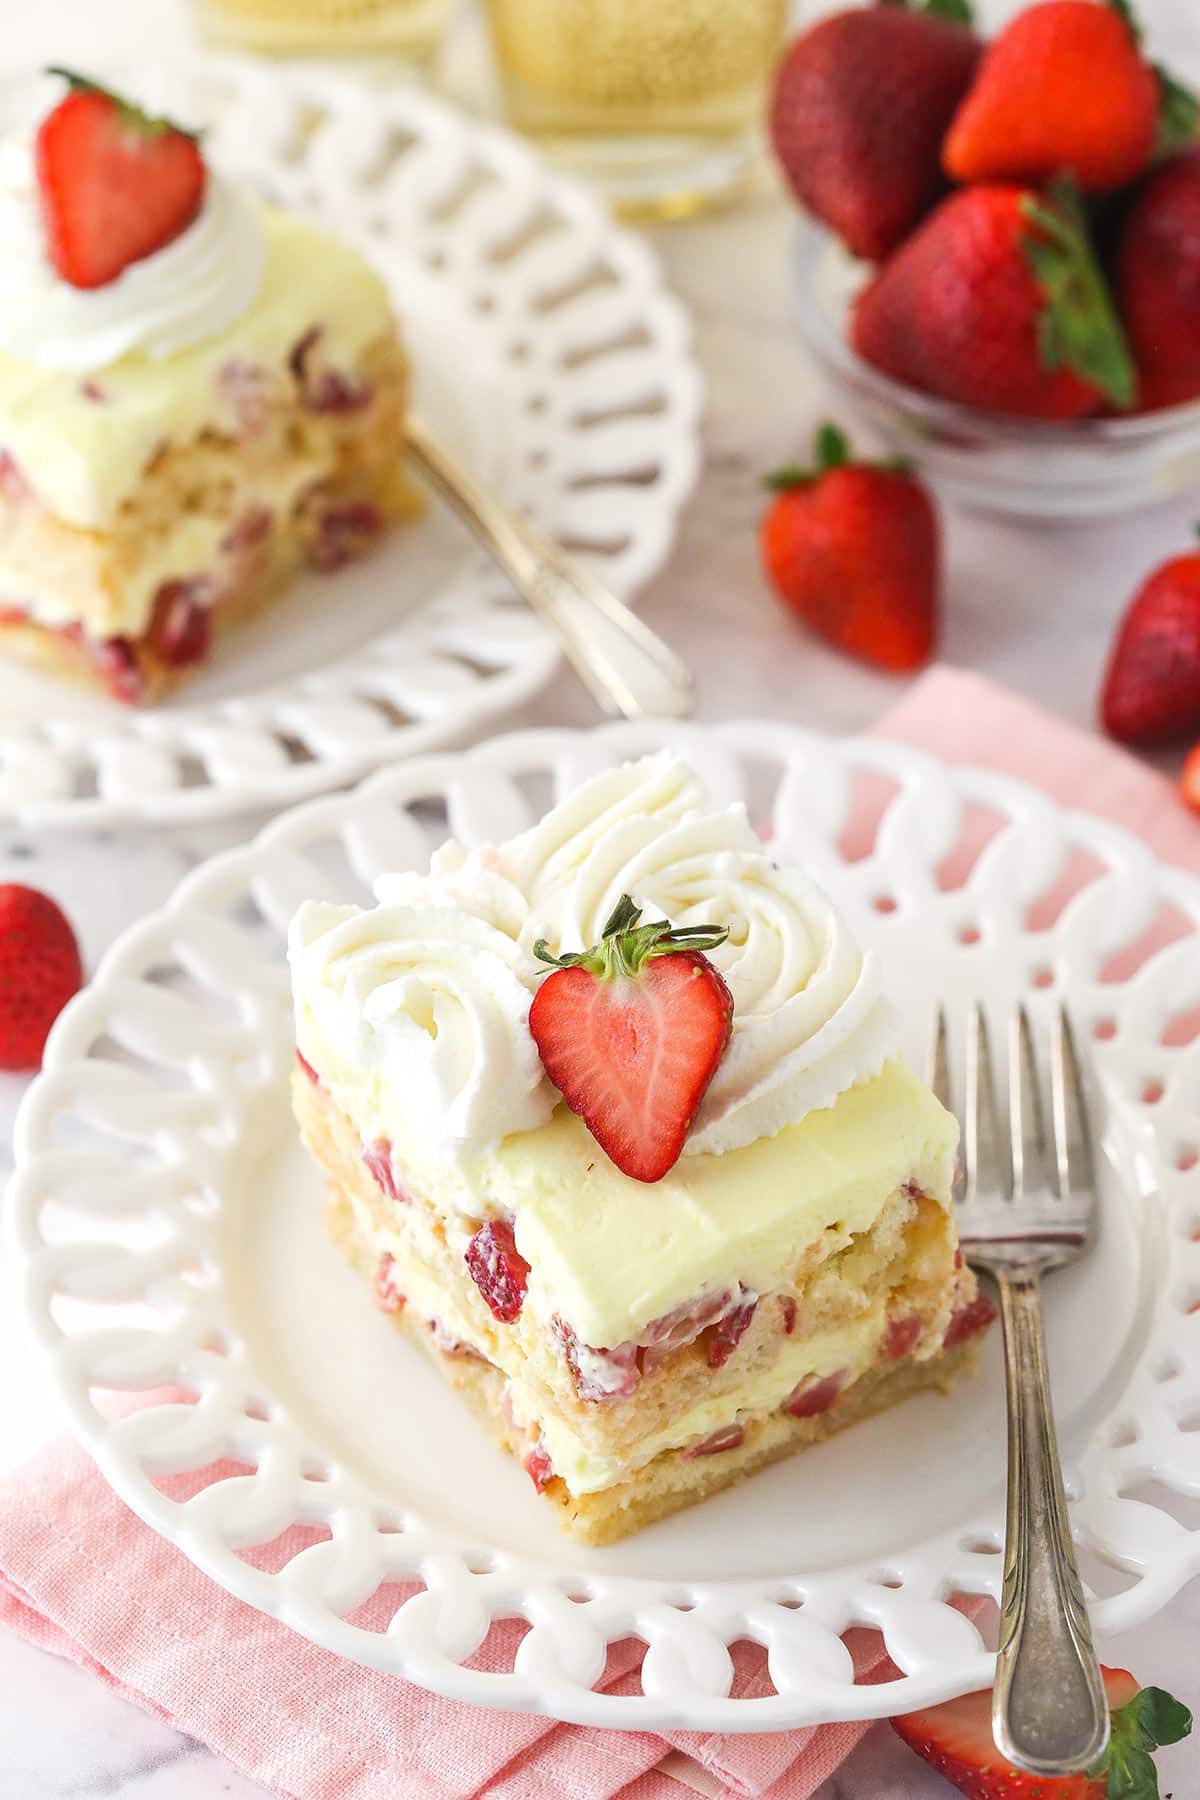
<point x="1032" y="606"/>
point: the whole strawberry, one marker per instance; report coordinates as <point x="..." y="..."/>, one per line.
<point x="853" y="548"/>
<point x="996" y="301"/>
<point x="1151" y="691"/>
<point x="631" y="1031"/>
<point x="39" y="972"/>
<point x="956" y="1738"/>
<point x="1158" y="280"/>
<point x="1064" y="87"/>
<point x="114" y="184"/>
<point x="860" y="106"/>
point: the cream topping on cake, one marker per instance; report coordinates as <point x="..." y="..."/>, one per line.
<point x="192" y="289"/>
<point x="83" y="444"/>
<point x="435" y="1003"/>
<point x="810" y="1018"/>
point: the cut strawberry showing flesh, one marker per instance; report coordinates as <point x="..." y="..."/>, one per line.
<point x="729" y="1437"/>
<point x="901" y="1336"/>
<point x="180" y="626"/>
<point x="968" y="1321"/>
<point x="498" y="1269"/>
<point x="388" y="1297"/>
<point x="306" y="1068"/>
<point x="117" y="662"/>
<point x="599" y="1374"/>
<point x="344" y="532"/>
<point x="723" y="1338"/>
<point x="246" y="533"/>
<point x="538" y="1467"/>
<point x="378" y="1158"/>
<point x="815" y="1395"/>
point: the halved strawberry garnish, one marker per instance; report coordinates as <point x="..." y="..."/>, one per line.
<point x="115" y="184"/>
<point x="631" y="1031"/>
<point x="956" y="1738"/>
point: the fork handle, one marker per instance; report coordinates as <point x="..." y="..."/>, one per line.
<point x="627" y="668"/>
<point x="1049" y="1710"/>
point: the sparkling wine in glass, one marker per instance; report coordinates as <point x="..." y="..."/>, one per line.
<point x="659" y="101"/>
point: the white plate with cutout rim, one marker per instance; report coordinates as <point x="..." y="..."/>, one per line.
<point x="547" y="352"/>
<point x="166" y="1226"/>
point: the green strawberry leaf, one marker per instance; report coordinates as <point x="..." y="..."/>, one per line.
<point x="792" y="475"/>
<point x="131" y="113"/>
<point x="957" y="12"/>
<point x="1078" y="328"/>
<point x="1124" y="10"/>
<point x="626" y="945"/>
<point x="831" y="447"/>
<point x="831" y="450"/>
<point x="1178" y="114"/>
<point x="1152" y="1718"/>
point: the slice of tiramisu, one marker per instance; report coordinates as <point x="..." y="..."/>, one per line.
<point x="198" y="395"/>
<point x="613" y="1118"/>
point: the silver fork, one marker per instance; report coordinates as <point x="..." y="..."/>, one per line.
<point x="627" y="668"/>
<point x="1024" y="1208"/>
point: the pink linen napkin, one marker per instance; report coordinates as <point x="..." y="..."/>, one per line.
<point x="82" y="1577"/>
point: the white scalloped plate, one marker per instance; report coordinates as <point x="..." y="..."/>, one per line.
<point x="167" y="1228"/>
<point x="547" y="352"/>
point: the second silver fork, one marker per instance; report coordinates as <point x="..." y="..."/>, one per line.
<point x="1025" y="1207"/>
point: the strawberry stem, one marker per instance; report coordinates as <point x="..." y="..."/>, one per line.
<point x="626" y="945"/>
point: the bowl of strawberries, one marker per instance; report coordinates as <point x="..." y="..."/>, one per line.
<point x="998" y="256"/>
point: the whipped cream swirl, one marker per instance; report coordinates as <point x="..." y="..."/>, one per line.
<point x="192" y="289"/>
<point x="456" y="946"/>
<point x="810" y="1018"/>
<point x="437" y="1001"/>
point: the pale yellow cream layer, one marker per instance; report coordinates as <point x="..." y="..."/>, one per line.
<point x="84" y="456"/>
<point x="609" y="1254"/>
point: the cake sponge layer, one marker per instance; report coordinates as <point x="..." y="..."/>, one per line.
<point x="609" y="1255"/>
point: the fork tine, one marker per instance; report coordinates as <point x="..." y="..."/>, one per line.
<point x="938" y="1063"/>
<point x="1027" y="1124"/>
<point x="1072" y="1128"/>
<point x="984" y="1165"/>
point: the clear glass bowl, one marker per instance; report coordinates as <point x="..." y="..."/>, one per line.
<point x="988" y="460"/>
